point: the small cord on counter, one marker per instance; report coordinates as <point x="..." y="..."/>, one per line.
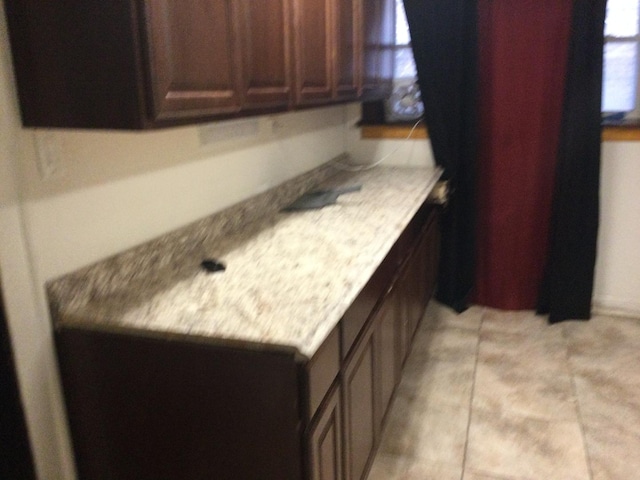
<point x="369" y="166"/>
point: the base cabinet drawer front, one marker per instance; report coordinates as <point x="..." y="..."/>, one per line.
<point x="325" y="440"/>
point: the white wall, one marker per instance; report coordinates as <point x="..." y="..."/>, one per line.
<point x="617" y="285"/>
<point x="401" y="152"/>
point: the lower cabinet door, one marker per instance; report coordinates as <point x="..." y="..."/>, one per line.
<point x="388" y="355"/>
<point x="325" y="440"/>
<point x="359" y="404"/>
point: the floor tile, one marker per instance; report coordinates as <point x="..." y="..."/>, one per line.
<point x="605" y="345"/>
<point x="540" y="353"/>
<point x="448" y="344"/>
<point x="521" y="321"/>
<point x="471" y="475"/>
<point x="529" y="384"/>
<point x="502" y="389"/>
<point x="520" y="447"/>
<point x="432" y="435"/>
<point x="438" y="382"/>
<point x="614" y="453"/>
<point x="440" y="316"/>
<point x="602" y="336"/>
<point x="607" y="401"/>
<point x="391" y="467"/>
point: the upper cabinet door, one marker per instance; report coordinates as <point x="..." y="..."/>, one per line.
<point x="193" y="57"/>
<point x="347" y="59"/>
<point x="378" y="36"/>
<point x="265" y="27"/>
<point x="313" y="47"/>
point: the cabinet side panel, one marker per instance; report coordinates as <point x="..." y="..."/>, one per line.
<point x="76" y="63"/>
<point x="146" y="408"/>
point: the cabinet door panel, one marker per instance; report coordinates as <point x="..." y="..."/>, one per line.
<point x="360" y="426"/>
<point x="193" y="57"/>
<point x="326" y="441"/>
<point x="266" y="36"/>
<point x="388" y="358"/>
<point x="378" y="38"/>
<point x="313" y="51"/>
<point x="347" y="71"/>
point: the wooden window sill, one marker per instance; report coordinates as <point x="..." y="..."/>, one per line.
<point x="627" y="133"/>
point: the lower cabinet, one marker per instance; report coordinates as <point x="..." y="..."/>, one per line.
<point x="373" y="368"/>
<point x="142" y="406"/>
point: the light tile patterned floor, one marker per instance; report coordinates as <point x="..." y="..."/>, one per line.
<point x="492" y="395"/>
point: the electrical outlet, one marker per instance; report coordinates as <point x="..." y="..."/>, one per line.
<point x="49" y="155"/>
<point x="222" y="131"/>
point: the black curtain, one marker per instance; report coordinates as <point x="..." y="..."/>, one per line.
<point x="567" y="286"/>
<point x="445" y="44"/>
<point x="444" y="40"/>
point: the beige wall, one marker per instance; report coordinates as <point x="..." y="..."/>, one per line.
<point x="617" y="285"/>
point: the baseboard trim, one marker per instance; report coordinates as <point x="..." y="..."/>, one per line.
<point x="611" y="307"/>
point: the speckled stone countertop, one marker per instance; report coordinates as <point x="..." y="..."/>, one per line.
<point x="289" y="276"/>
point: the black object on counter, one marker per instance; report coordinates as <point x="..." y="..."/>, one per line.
<point x="212" y="266"/>
<point x="320" y="198"/>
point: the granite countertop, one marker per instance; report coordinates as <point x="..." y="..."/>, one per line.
<point x="289" y="277"/>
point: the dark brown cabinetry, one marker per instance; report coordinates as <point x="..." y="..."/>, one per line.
<point x="360" y="386"/>
<point x="347" y="65"/>
<point x="314" y="64"/>
<point x="378" y="34"/>
<point x="138" y="64"/>
<point x="194" y="57"/>
<point x="144" y="406"/>
<point x="266" y="45"/>
<point x="325" y="441"/>
<point x="326" y="50"/>
<point x="373" y="368"/>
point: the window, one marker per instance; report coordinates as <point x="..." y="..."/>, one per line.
<point x="621" y="87"/>
<point x="621" y="58"/>
<point x="404" y="104"/>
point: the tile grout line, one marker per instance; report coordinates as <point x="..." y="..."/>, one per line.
<point x="577" y="403"/>
<point x="473" y="388"/>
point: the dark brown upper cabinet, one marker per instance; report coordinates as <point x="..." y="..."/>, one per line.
<point x="137" y="64"/>
<point x="378" y="34"/>
<point x="266" y="36"/>
<point x="327" y="40"/>
<point x="313" y="52"/>
<point x="194" y="59"/>
<point x="347" y="69"/>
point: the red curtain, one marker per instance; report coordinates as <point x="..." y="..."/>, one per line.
<point x="523" y="51"/>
